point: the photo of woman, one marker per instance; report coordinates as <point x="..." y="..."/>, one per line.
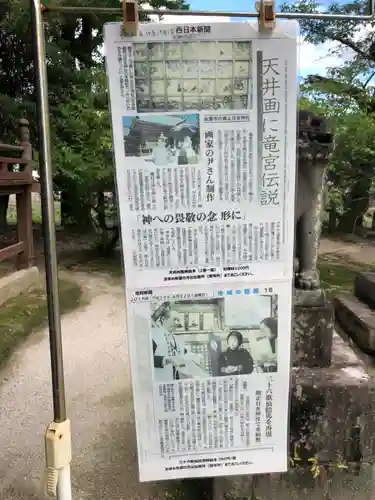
<point x="267" y="345"/>
<point x="235" y="360"/>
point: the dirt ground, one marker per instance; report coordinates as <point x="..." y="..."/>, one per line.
<point x="99" y="397"/>
<point x="358" y="250"/>
<point x="99" y="404"/>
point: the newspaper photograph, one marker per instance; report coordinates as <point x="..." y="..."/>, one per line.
<point x="209" y="373"/>
<point x="223" y="339"/>
<point x="204" y="129"/>
<point x="150" y="138"/>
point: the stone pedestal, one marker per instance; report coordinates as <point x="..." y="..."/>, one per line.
<point x="332" y="408"/>
<point x="313" y="329"/>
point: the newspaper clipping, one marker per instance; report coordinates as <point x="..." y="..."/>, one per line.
<point x="204" y="127"/>
<point x="204" y="130"/>
<point x="210" y="370"/>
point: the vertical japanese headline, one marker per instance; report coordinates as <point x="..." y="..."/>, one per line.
<point x="270" y="177"/>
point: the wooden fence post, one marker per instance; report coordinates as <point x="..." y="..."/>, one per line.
<point x="24" y="207"/>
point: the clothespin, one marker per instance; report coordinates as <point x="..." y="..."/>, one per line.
<point x="267" y="15"/>
<point x="44" y="8"/>
<point x="131" y="17"/>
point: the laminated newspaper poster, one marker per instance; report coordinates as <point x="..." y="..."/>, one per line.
<point x="204" y="128"/>
<point x="210" y="370"/>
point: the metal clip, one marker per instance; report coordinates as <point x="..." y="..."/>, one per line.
<point x="44" y="8"/>
<point x="131" y="17"/>
<point x="266" y="15"/>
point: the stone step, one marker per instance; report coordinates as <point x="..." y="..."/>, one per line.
<point x="357" y="320"/>
<point x="364" y="288"/>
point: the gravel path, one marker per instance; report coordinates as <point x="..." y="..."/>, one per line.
<point x="99" y="405"/>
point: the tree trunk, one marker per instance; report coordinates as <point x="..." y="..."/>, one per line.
<point x="357" y="202"/>
<point x="85" y="42"/>
<point x="74" y="213"/>
<point x="4" y="203"/>
<point x="332" y="218"/>
<point x="101" y="212"/>
<point x="108" y="238"/>
<point x="349" y="220"/>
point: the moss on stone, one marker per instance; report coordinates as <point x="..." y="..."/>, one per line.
<point x="337" y="274"/>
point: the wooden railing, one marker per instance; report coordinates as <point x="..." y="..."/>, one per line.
<point x="16" y="178"/>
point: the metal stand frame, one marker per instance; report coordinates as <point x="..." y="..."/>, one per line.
<point x="58" y="441"/>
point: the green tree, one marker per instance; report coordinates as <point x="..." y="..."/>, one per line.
<point x="352" y="167"/>
<point x="83" y="163"/>
<point x="77" y="92"/>
<point x="346" y="94"/>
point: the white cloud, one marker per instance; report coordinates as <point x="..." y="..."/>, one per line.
<point x="315" y="59"/>
<point x="363" y="32"/>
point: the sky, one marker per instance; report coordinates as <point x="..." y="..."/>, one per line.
<point x="312" y="59"/>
